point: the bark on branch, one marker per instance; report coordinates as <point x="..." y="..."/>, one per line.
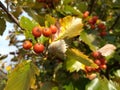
<point x="10" y="15"/>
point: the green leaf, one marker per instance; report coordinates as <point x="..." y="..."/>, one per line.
<point x="70" y="87"/>
<point x="100" y="84"/>
<point x="2" y="25"/>
<point x="70" y="27"/>
<point x="22" y="77"/>
<point x="28" y="25"/>
<point x="117" y="73"/>
<point x="74" y="65"/>
<point x="55" y="88"/>
<point x="43" y="39"/>
<point x="76" y="60"/>
<point x="50" y="19"/>
<point x="82" y="6"/>
<point x="67" y="1"/>
<point x="90" y="40"/>
<point x="69" y="10"/>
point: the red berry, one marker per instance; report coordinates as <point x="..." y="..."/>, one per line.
<point x="103" y="33"/>
<point x="47" y="32"/>
<point x="92" y="26"/>
<point x="86" y="14"/>
<point x="53" y="29"/>
<point x="27" y="44"/>
<point x="91" y="22"/>
<point x="98" y="62"/>
<point x="36" y="31"/>
<point x="104" y="66"/>
<point x="38" y="48"/>
<point x="101" y="26"/>
<point x="96" y="54"/>
<point x="95" y="18"/>
<point x="88" y="68"/>
<point x="103" y="61"/>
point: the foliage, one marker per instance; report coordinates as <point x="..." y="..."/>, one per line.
<point x="67" y="61"/>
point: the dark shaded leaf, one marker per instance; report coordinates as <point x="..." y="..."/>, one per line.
<point x="2" y="25"/>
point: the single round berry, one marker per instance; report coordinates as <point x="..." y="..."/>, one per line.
<point x="47" y="32"/>
<point x="36" y="31"/>
<point x="91" y="22"/>
<point x="86" y="14"/>
<point x="98" y="62"/>
<point x="27" y="44"/>
<point x="53" y="29"/>
<point x="96" y="54"/>
<point x="95" y="18"/>
<point x="104" y="66"/>
<point x="38" y="48"/>
<point x="102" y="60"/>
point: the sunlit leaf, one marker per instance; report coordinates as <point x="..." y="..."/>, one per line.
<point x="107" y="49"/>
<point x="50" y="19"/>
<point x="74" y="56"/>
<point x="90" y="40"/>
<point x="2" y="25"/>
<point x="57" y="48"/>
<point x="117" y="73"/>
<point x="22" y="77"/>
<point x="28" y="25"/>
<point x="100" y="84"/>
<point x="70" y="27"/>
<point x="74" y="65"/>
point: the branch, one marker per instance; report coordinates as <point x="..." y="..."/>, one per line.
<point x="10" y="15"/>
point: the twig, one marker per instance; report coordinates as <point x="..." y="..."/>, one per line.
<point x="10" y="15"/>
<point x="115" y="22"/>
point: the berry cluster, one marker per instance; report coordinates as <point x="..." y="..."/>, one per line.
<point x="99" y="60"/>
<point x="37" y="32"/>
<point x="94" y="24"/>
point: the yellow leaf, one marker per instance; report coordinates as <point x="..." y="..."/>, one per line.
<point x="70" y="27"/>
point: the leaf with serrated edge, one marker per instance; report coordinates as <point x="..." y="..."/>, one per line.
<point x="70" y="27"/>
<point x="74" y="65"/>
<point x="75" y="54"/>
<point x="107" y="49"/>
<point x="22" y="77"/>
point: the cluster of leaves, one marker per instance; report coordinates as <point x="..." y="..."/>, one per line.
<point x="62" y="65"/>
